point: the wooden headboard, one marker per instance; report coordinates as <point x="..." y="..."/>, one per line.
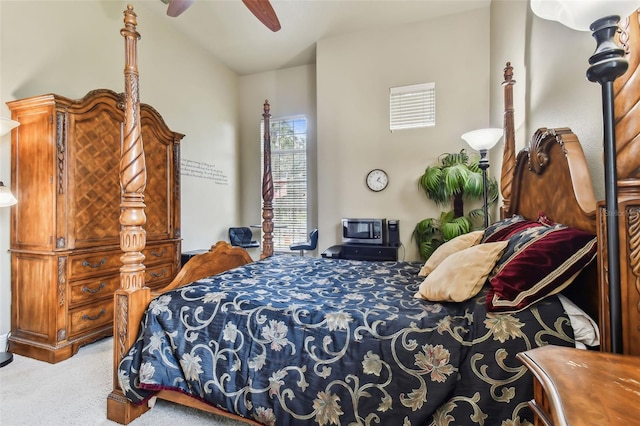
<point x="554" y="156"/>
<point x="535" y="181"/>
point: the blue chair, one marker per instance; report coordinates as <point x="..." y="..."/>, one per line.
<point x="242" y="237"/>
<point x="311" y="244"/>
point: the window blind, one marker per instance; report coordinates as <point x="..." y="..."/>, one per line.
<point x="289" y="171"/>
<point x="412" y="106"/>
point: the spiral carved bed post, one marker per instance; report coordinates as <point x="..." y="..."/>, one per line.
<point x="509" y="149"/>
<point x="132" y="295"/>
<point x="267" y="187"/>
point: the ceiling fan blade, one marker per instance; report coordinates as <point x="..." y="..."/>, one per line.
<point x="263" y="10"/>
<point x="176" y="7"/>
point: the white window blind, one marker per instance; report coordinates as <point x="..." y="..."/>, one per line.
<point x="412" y="106"/>
<point x="289" y="170"/>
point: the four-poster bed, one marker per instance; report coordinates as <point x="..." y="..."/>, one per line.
<point x="467" y="362"/>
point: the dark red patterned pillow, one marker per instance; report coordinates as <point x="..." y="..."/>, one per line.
<point x="538" y="261"/>
<point x="504" y="229"/>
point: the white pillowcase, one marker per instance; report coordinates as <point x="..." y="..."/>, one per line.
<point x="585" y="329"/>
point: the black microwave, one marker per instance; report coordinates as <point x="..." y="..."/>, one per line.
<point x="364" y="231"/>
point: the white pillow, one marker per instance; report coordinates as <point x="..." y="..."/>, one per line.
<point x="585" y="329"/>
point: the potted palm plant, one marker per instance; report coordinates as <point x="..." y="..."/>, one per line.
<point x="454" y="180"/>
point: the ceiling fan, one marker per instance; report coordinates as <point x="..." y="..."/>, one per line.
<point x="261" y="9"/>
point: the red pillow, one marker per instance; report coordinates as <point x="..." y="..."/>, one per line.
<point x="538" y="261"/>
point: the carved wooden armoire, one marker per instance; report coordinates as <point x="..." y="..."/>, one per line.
<point x="65" y="248"/>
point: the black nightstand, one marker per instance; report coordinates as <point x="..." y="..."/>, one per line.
<point x="365" y="252"/>
<point x="189" y="254"/>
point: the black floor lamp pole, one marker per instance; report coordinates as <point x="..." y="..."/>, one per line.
<point x="484" y="165"/>
<point x="607" y="64"/>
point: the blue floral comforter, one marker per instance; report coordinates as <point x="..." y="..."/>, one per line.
<point x="298" y="340"/>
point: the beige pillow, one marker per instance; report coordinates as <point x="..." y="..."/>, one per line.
<point x="461" y="275"/>
<point x="460" y="242"/>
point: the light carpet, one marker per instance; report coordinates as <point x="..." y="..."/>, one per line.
<point x="74" y="392"/>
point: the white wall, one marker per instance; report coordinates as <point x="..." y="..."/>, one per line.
<point x="560" y="94"/>
<point x="354" y="74"/>
<point x="508" y="41"/>
<point x="550" y="63"/>
<point x="72" y="47"/>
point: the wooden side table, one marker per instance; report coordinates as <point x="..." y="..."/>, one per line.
<point x="577" y="387"/>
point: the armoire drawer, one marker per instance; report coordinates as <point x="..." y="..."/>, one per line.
<point x="92" y="290"/>
<point x="161" y="253"/>
<point x="93" y="264"/>
<point x="90" y="317"/>
<point x="155" y="275"/>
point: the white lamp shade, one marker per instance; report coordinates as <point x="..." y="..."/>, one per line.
<point x="6" y="197"/>
<point x="580" y="14"/>
<point x="6" y="125"/>
<point x="483" y="138"/>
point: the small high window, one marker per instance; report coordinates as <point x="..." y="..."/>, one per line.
<point x="412" y="106"/>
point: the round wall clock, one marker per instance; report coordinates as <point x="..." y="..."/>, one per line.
<point x="377" y="180"/>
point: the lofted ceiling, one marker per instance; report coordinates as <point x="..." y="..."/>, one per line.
<point x="230" y="32"/>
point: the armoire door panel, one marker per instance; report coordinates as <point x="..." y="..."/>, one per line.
<point x="33" y="225"/>
<point x="94" y="156"/>
<point x="157" y="196"/>
<point x="35" y="296"/>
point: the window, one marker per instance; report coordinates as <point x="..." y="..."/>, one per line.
<point x="289" y="170"/>
<point x="412" y="106"/>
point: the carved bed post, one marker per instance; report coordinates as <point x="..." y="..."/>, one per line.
<point x="132" y="297"/>
<point x="267" y="188"/>
<point x="509" y="149"/>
